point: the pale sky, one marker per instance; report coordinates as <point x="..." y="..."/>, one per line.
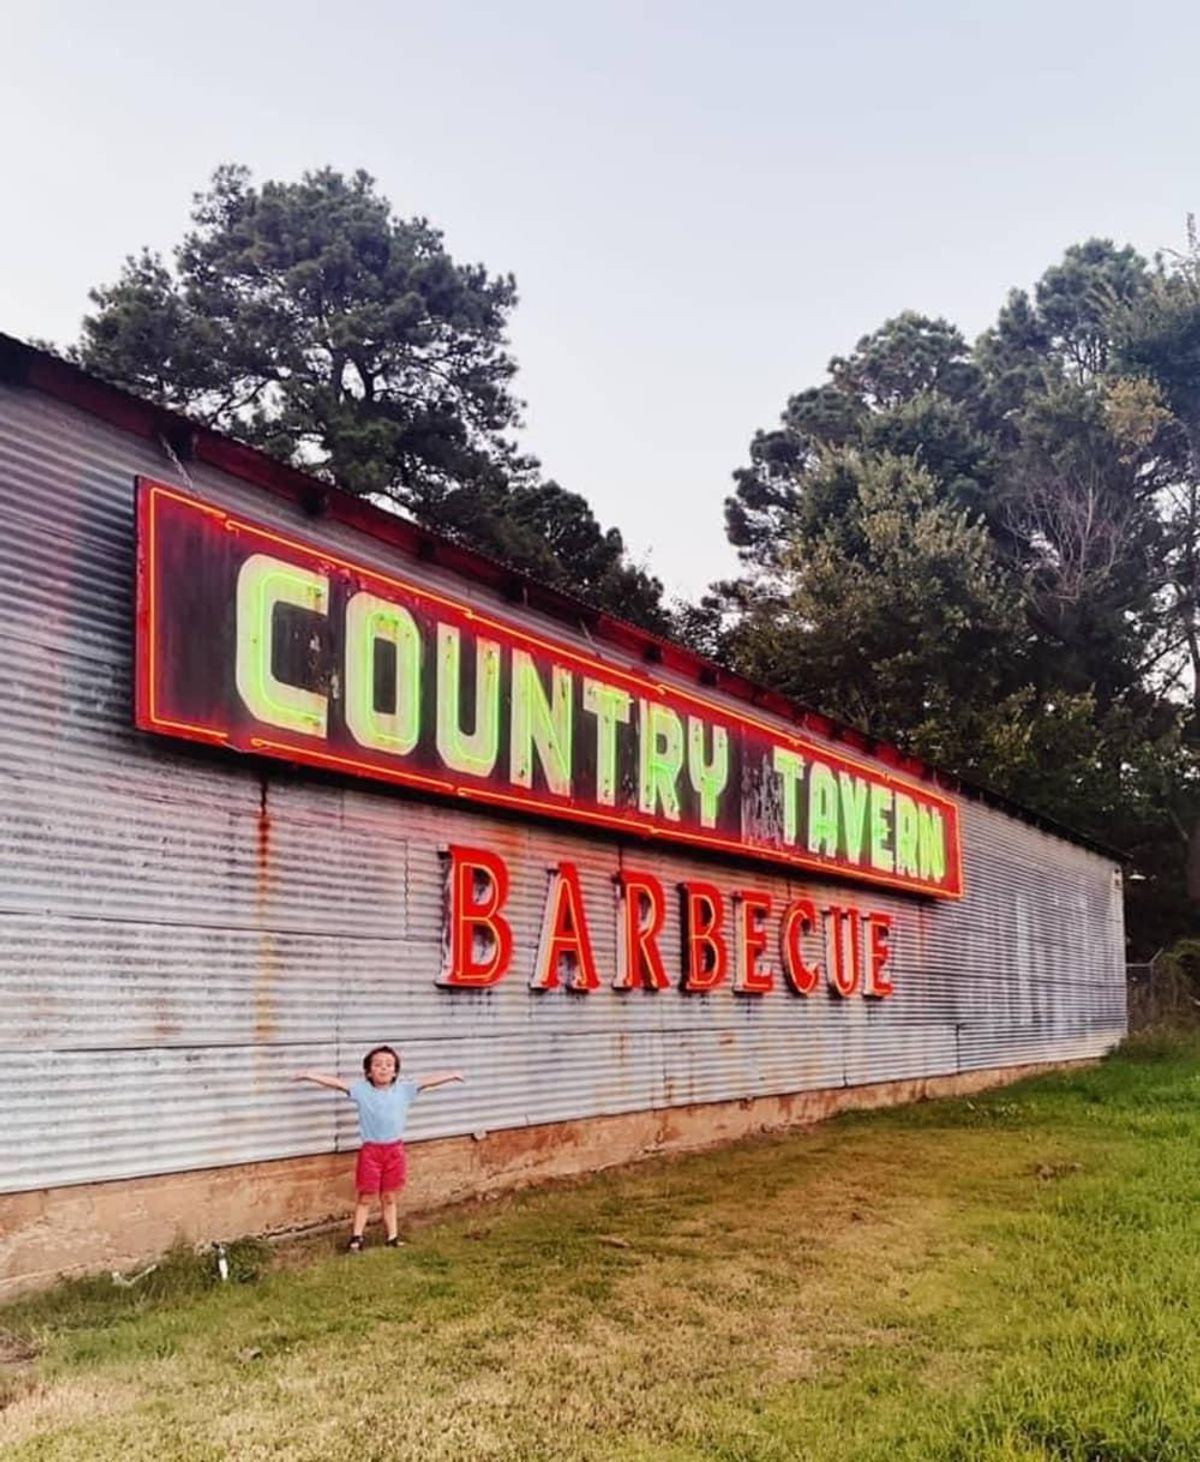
<point x="701" y="202"/>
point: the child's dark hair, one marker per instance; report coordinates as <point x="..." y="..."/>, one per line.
<point x="381" y="1051"/>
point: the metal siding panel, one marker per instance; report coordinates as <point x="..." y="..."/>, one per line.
<point x="181" y="930"/>
<point x="153" y="1111"/>
<point x="182" y="861"/>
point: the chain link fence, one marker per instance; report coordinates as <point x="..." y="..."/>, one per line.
<point x="1160" y="992"/>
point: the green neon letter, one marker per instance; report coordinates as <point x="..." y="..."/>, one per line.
<point x="906" y="835"/>
<point x="854" y="814"/>
<point x="708" y="778"/>
<point x="541" y="723"/>
<point x="263" y="582"/>
<point x="368" y="621"/>
<point x="609" y="705"/>
<point x="822" y="810"/>
<point x="881" y="830"/>
<point x="661" y="757"/>
<point x="933" y="845"/>
<point x="475" y="753"/>
<point x="790" y="766"/>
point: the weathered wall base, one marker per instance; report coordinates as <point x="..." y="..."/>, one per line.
<point x="53" y="1233"/>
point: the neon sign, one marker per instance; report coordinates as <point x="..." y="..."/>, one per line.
<point x="264" y="643"/>
<point x="837" y="946"/>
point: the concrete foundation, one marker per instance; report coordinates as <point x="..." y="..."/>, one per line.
<point x="55" y="1233"/>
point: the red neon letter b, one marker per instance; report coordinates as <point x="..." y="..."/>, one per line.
<point x="471" y="915"/>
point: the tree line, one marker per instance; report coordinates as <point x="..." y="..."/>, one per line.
<point x="988" y="552"/>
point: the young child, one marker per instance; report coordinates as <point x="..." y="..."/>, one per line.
<point x="383" y="1101"/>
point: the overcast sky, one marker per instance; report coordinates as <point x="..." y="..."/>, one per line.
<point x="701" y="202"/>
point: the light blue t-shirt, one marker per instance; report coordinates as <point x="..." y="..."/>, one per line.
<point x="382" y="1110"/>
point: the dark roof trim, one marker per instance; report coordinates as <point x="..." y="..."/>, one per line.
<point x="24" y="366"/>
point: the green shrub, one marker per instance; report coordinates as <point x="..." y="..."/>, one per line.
<point x="1183" y="961"/>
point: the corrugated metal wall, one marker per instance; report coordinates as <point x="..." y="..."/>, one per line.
<point x="181" y="930"/>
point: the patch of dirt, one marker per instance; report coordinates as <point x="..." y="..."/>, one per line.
<point x="16" y="1352"/>
<point x="16" y="1368"/>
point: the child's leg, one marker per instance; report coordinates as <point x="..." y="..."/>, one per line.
<point x="361" y="1209"/>
<point x="394" y="1173"/>
<point x="368" y="1175"/>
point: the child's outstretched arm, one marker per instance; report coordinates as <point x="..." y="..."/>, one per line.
<point x="334" y="1083"/>
<point x="438" y="1078"/>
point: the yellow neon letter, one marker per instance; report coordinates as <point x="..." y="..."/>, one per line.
<point x="368" y="621"/>
<point x="263" y="582"/>
<point x="542" y="723"/>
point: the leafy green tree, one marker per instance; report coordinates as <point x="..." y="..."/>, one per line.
<point x="1159" y="337"/>
<point x="992" y="553"/>
<point x="1075" y="511"/>
<point x="1063" y="332"/>
<point x="307" y="319"/>
<point x="1084" y="454"/>
<point x="554" y="535"/>
<point x="1161" y="340"/>
<point x="1100" y="487"/>
<point x="908" y="389"/>
<point x="1078" y="299"/>
<point x="890" y="614"/>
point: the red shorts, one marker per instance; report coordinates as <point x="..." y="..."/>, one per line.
<point x="381" y="1168"/>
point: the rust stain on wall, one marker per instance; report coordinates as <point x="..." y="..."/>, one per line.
<point x="268" y="961"/>
<point x="265" y="1022"/>
<point x="263" y="848"/>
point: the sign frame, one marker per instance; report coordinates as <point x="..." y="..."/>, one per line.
<point x="166" y="515"/>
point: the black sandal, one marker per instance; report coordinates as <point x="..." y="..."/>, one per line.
<point x="355" y="1244"/>
<point x="395" y="1243"/>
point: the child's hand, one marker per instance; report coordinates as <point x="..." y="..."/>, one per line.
<point x="301" y="1076"/>
<point x="457" y="1076"/>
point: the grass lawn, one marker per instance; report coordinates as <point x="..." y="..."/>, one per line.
<point x="1016" y="1276"/>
